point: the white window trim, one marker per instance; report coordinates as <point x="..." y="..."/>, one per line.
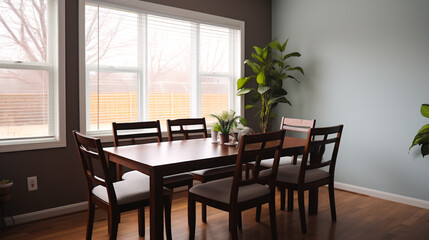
<point x="161" y="10"/>
<point x="59" y="106"/>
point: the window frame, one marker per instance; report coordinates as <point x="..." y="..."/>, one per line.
<point x="170" y="12"/>
<point x="56" y="69"/>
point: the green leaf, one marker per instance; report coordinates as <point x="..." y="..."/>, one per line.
<point x="290" y="76"/>
<point x="425" y="110"/>
<point x="276" y="45"/>
<point x="277" y="100"/>
<point x="425" y="149"/>
<point x="256" y="96"/>
<point x="249" y="106"/>
<point x="243" y="91"/>
<point x="243" y="121"/>
<point x="263" y="89"/>
<point x="241" y="82"/>
<point x="420" y="139"/>
<point x="265" y="52"/>
<point x="279" y="92"/>
<point x="258" y="50"/>
<point x="261" y="78"/>
<point x="255" y="67"/>
<point x="256" y="57"/>
<point x="294" y="54"/>
<point x="284" y="45"/>
<point x="297" y="69"/>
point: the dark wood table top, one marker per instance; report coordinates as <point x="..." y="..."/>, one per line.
<point x="187" y="155"/>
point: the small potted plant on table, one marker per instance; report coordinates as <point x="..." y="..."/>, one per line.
<point x="226" y="120"/>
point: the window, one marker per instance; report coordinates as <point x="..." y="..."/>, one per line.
<point x="145" y="61"/>
<point x="32" y="106"/>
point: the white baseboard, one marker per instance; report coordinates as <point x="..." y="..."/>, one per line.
<point x="383" y="195"/>
<point x="47" y="213"/>
<point x="76" y="207"/>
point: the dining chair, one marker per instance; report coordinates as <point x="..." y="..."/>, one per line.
<point x="320" y="153"/>
<point x="113" y="196"/>
<point x="129" y="133"/>
<point x="298" y="128"/>
<point x="184" y="128"/>
<point x="236" y="194"/>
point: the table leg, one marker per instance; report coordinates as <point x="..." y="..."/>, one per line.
<point x="156" y="206"/>
<point x="313" y="197"/>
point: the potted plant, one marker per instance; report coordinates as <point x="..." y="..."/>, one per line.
<point x="422" y="137"/>
<point x="226" y="120"/>
<point x="270" y="68"/>
<point x="5" y="186"/>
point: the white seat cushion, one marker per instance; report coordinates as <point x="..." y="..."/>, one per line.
<point x="289" y="174"/>
<point x="127" y="191"/>
<point x="268" y="163"/>
<point x="136" y="175"/>
<point x="215" y="170"/>
<point x="220" y="190"/>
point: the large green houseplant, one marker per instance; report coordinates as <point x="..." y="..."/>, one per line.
<point x="270" y="69"/>
<point x="422" y="137"/>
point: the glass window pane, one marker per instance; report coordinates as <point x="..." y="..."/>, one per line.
<point x="24" y="110"/>
<point x="169" y="68"/>
<point x="112" y="98"/>
<point x="214" y="96"/>
<point x="214" y="49"/>
<point x="23" y="30"/>
<point x="111" y="37"/>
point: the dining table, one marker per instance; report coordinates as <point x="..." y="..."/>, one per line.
<point x="166" y="158"/>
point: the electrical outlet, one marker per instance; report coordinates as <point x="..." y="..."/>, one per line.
<point x="32" y="183"/>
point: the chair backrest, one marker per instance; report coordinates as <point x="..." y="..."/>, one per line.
<point x="297" y="125"/>
<point x="321" y="150"/>
<point x="92" y="157"/>
<point x="130" y="132"/>
<point x="185" y="127"/>
<point x="256" y="148"/>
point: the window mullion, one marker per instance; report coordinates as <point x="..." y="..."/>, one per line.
<point x="195" y="77"/>
<point x="142" y="64"/>
<point x="231" y="69"/>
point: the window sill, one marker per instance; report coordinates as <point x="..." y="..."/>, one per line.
<point x="31" y="144"/>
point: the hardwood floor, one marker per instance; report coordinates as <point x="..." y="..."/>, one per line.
<point x="358" y="217"/>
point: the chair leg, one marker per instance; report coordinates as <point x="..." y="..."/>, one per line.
<point x="141" y="219"/>
<point x="113" y="226"/>
<point x="273" y="222"/>
<point x="90" y="224"/>
<point x="290" y="199"/>
<point x="204" y="212"/>
<point x="258" y="213"/>
<point x="332" y="201"/>
<point x="233" y="224"/>
<point x="171" y="196"/>
<point x="191" y="217"/>
<point x="239" y="221"/>
<point x="313" y="196"/>
<point x="282" y="198"/>
<point x="302" y="210"/>
<point x="167" y="213"/>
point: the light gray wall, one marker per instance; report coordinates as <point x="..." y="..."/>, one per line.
<point x="367" y="67"/>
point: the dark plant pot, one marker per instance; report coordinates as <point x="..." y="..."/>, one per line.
<point x="5" y="189"/>
<point x="224" y="138"/>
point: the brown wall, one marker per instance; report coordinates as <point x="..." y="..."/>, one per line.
<point x="59" y="173"/>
